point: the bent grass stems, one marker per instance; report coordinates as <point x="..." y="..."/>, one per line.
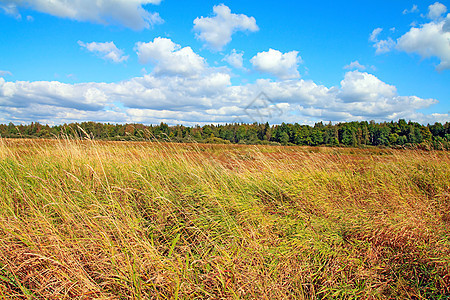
<point x="86" y="219"/>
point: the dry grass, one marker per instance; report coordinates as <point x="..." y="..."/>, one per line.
<point x="112" y="220"/>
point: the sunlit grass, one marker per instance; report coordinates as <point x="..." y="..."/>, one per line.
<point x="109" y="220"/>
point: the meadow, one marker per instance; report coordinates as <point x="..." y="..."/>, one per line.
<point x="84" y="219"/>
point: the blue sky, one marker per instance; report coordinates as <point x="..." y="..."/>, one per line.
<point x="198" y="63"/>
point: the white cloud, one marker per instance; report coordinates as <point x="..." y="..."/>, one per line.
<point x="436" y="10"/>
<point x="235" y="59"/>
<point x="446" y="26"/>
<point x="364" y="87"/>
<point x="207" y="98"/>
<point x="413" y="9"/>
<point x="428" y="40"/>
<point x="355" y="65"/>
<point x="107" y="51"/>
<point x="127" y="13"/>
<point x="5" y="73"/>
<point x="382" y="46"/>
<point x="170" y="58"/>
<point x="217" y="31"/>
<point x="175" y="93"/>
<point x="282" y="65"/>
<point x="374" y="35"/>
<point x="86" y="96"/>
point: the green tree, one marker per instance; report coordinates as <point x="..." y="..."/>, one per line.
<point x="284" y="138"/>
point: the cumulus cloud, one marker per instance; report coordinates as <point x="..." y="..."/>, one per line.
<point x="177" y="93"/>
<point x="107" y="51"/>
<point x="183" y="89"/>
<point x="208" y="98"/>
<point x="436" y="10"/>
<point x="446" y="26"/>
<point x="382" y="46"/>
<point x="355" y="65"/>
<point x="281" y="65"/>
<point x="429" y="40"/>
<point x="86" y="96"/>
<point x="364" y="87"/>
<point x="127" y="13"/>
<point x="235" y="59"/>
<point x="170" y="58"/>
<point x="216" y="31"/>
<point x="361" y="96"/>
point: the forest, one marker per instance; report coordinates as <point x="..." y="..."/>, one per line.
<point x="399" y="134"/>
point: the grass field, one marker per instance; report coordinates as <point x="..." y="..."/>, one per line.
<point x="116" y="220"/>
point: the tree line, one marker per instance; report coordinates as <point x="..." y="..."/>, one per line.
<point x="354" y="134"/>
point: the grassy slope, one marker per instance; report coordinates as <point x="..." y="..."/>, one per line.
<point x="81" y="220"/>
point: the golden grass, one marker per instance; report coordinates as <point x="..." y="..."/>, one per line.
<point x="117" y="220"/>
